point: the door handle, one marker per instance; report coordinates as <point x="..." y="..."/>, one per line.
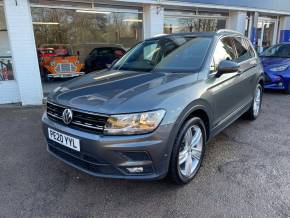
<point x="240" y="72"/>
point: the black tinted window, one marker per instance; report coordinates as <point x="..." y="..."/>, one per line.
<point x="244" y="50"/>
<point x="280" y="50"/>
<point x="105" y="51"/>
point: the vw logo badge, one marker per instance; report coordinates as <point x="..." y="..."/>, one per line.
<point x="67" y="116"/>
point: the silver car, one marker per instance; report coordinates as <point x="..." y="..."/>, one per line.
<point x="151" y="114"/>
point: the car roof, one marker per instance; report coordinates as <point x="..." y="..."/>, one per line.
<point x="222" y="32"/>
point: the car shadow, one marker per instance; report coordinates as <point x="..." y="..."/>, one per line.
<point x="274" y="92"/>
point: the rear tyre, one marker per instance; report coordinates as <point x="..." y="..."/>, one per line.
<point x="188" y="151"/>
<point x="255" y="109"/>
<point x="287" y="91"/>
<point x="45" y="77"/>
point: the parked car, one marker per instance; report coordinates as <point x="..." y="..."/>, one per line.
<point x="102" y="57"/>
<point x="153" y="112"/>
<point x="59" y="62"/>
<point x="45" y="53"/>
<point x="276" y="62"/>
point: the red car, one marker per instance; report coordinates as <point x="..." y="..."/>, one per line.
<point x="45" y="52"/>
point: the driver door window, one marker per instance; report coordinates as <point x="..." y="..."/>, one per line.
<point x="244" y="51"/>
<point x="225" y="50"/>
<point x="149" y="51"/>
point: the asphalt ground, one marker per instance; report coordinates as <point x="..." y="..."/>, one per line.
<point x="245" y="173"/>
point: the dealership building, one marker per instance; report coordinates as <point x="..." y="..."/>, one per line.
<point x="27" y="26"/>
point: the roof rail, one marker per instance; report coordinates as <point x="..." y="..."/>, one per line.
<point x="228" y="31"/>
<point x="161" y="34"/>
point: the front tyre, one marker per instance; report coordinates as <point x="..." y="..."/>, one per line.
<point x="188" y="151"/>
<point x="255" y="109"/>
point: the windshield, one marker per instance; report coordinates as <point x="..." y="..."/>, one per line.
<point x="281" y="51"/>
<point x="171" y="54"/>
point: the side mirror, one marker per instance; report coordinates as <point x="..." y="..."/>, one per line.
<point x="227" y="66"/>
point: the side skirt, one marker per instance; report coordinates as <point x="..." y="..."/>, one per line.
<point x="230" y="119"/>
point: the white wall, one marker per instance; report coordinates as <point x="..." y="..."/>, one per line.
<point x="153" y="20"/>
<point x="237" y="21"/>
<point x="4" y="44"/>
<point x="285" y="23"/>
<point x="9" y="92"/>
<point x="22" y="42"/>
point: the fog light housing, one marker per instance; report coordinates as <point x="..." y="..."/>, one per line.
<point x="135" y="169"/>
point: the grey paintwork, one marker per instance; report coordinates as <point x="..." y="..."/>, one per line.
<point x="222" y="98"/>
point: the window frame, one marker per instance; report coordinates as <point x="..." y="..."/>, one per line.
<point x="232" y="36"/>
<point x="249" y="49"/>
<point x="215" y="47"/>
<point x="10" y="58"/>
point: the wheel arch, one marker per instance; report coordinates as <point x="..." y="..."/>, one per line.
<point x="201" y="111"/>
<point x="261" y="81"/>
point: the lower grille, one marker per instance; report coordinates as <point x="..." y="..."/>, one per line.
<point x="65" y="68"/>
<point x="81" y="120"/>
<point x="88" y="166"/>
<point x="80" y="155"/>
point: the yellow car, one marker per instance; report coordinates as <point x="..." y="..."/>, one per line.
<point x="60" y="65"/>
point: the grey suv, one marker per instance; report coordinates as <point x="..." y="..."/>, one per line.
<point x="152" y="113"/>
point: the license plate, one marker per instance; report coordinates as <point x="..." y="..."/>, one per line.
<point x="63" y="139"/>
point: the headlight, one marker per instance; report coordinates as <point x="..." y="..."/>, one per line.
<point x="132" y="124"/>
<point x="279" y="69"/>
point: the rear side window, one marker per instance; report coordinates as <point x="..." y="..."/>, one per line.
<point x="244" y="50"/>
<point x="105" y="51"/>
<point x="118" y="53"/>
<point x="225" y="50"/>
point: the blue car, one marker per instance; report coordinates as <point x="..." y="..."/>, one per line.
<point x="276" y="63"/>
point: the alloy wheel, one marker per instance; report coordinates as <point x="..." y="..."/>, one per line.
<point x="257" y="101"/>
<point x="190" y="151"/>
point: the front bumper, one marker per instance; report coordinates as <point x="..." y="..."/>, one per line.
<point x="111" y="156"/>
<point x="65" y="75"/>
<point x="276" y="81"/>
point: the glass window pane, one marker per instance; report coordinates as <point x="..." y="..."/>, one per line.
<point x="175" y="22"/>
<point x="75" y="33"/>
<point x="170" y="54"/>
<point x="279" y="50"/>
<point x="6" y="69"/>
<point x="243" y="50"/>
<point x="225" y="50"/>
<point x="60" y="3"/>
